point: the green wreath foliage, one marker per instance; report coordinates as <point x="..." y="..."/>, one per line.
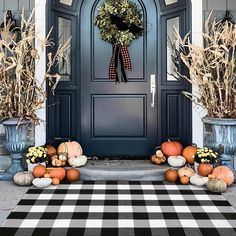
<point x="128" y="11"/>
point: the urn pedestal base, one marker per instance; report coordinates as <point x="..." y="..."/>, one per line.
<point x="220" y="135"/>
<point x="16" y="142"/>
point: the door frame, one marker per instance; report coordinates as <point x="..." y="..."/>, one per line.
<point x="196" y="25"/>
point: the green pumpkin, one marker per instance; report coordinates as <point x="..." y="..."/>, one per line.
<point x="23" y="178"/>
<point x="216" y="185"/>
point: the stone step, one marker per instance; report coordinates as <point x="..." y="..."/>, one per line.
<point x="122" y="170"/>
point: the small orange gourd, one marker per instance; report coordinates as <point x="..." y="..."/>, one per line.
<point x="184" y="180"/>
<point x="211" y="176"/>
<point x="46" y="175"/>
<point x="153" y="158"/>
<point x="55" y="181"/>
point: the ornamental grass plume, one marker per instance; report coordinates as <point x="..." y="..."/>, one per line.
<point x="212" y="67"/>
<point x="21" y="95"/>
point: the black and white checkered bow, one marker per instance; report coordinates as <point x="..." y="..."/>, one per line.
<point x="120" y="60"/>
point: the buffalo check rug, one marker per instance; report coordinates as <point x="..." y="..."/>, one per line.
<point x="121" y="208"/>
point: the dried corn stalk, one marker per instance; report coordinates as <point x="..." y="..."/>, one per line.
<point x="21" y="95"/>
<point x="212" y="68"/>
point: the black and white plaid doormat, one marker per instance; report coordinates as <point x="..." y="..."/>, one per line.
<point x="121" y="208"/>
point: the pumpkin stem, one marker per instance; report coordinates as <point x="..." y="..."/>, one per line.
<point x="190" y="166"/>
<point x="157" y="148"/>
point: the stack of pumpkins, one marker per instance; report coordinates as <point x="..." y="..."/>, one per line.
<point x="42" y="177"/>
<point x="67" y="152"/>
<point x="182" y="160"/>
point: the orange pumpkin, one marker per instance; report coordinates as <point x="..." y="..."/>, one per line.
<point x="51" y="150"/>
<point x="72" y="175"/>
<point x="172" y="148"/>
<point x="39" y="171"/>
<point x="184" y="180"/>
<point x="204" y="169"/>
<point x="224" y="173"/>
<point x="70" y="148"/>
<point x="59" y="173"/>
<point x="189" y="153"/>
<point x="171" y="175"/>
<point x="55" y="181"/>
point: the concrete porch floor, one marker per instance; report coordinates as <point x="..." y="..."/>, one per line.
<point x="10" y="194"/>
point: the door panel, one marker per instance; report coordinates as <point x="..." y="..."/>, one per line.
<point x="117" y="118"/>
<point x="109" y="122"/>
<point x="175" y="121"/>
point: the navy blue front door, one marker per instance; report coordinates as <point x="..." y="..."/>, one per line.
<point x="117" y="118"/>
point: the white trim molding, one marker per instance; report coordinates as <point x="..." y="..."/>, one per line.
<point x="197" y="112"/>
<point x="40" y="27"/>
<point x="197" y="23"/>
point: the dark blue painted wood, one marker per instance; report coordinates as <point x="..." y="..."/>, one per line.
<point x="116" y="119"/>
<point x="124" y="122"/>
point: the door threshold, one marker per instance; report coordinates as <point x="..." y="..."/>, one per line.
<point x="122" y="170"/>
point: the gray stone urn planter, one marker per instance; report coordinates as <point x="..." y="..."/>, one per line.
<point x="16" y="142"/>
<point x="220" y="135"/>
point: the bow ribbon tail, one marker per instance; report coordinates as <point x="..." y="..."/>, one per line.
<point x="116" y="60"/>
<point x="113" y="64"/>
<point x="120" y="58"/>
<point x="122" y="68"/>
<point x="126" y="58"/>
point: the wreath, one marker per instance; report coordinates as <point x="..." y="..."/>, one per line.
<point x="119" y="22"/>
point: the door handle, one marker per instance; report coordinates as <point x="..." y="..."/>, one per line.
<point x="153" y="89"/>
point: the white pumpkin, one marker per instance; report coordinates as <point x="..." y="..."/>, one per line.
<point x="176" y="161"/>
<point x="24" y="178"/>
<point x="185" y="171"/>
<point x="62" y="157"/>
<point x="198" y="180"/>
<point x="159" y="153"/>
<point x="77" y="161"/>
<point x="42" y="182"/>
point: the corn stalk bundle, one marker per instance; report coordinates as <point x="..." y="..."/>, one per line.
<point x="21" y="95"/>
<point x="212" y="68"/>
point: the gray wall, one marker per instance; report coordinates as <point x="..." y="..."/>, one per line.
<point x="219" y="7"/>
<point x="16" y="7"/>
